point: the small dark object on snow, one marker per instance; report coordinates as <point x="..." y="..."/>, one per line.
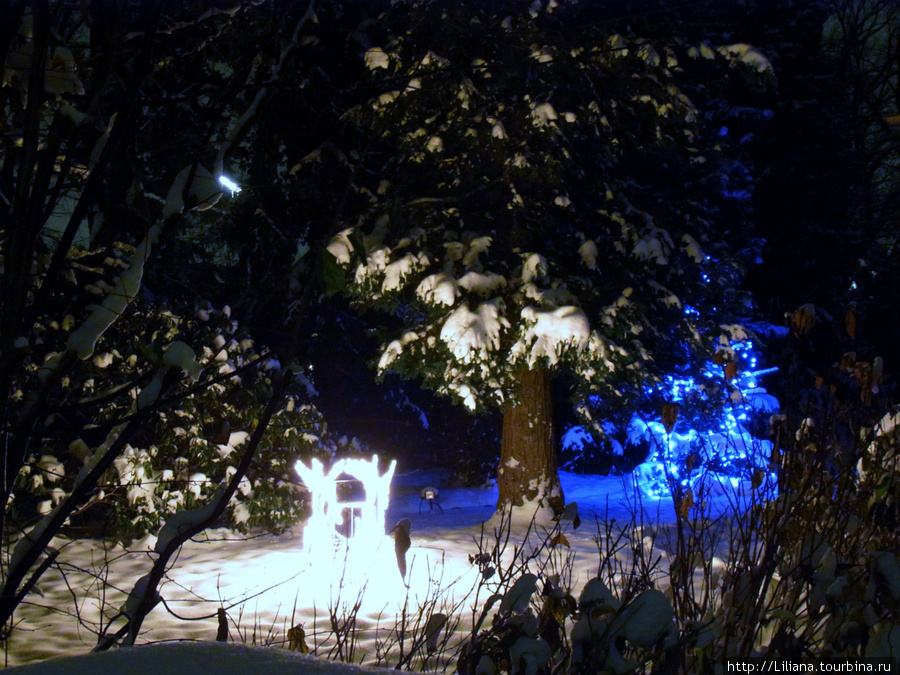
<point x="297" y="639"/>
<point x="430" y="494"/>
<point x="402" y="543"/>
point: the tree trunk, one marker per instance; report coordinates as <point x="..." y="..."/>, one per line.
<point x="527" y="471"/>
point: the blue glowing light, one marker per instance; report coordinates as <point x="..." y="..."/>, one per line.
<point x="716" y="441"/>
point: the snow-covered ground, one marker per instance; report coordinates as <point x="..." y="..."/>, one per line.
<point x="192" y="658"/>
<point x="266" y="585"/>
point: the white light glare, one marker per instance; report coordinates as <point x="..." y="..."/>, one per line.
<point x="322" y="544"/>
<point x="229" y="184"/>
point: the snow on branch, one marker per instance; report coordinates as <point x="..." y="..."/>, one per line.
<point x="83" y="340"/>
<point x="469" y="335"/>
<point x="548" y="333"/>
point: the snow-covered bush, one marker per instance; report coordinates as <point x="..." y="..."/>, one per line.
<point x="696" y="429"/>
<point x="539" y="627"/>
<point x="189" y="446"/>
<point x="878" y="471"/>
<point x="604" y="634"/>
<point x="809" y="574"/>
<point x="825" y="584"/>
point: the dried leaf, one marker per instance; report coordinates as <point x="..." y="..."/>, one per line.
<point x="757" y="478"/>
<point x="402" y="543"/>
<point x="559" y="540"/>
<point x="803" y="319"/>
<point x="684" y="508"/>
<point x="848" y="362"/>
<point x="731" y="370"/>
<point x="864" y="376"/>
<point x="297" y="640"/>
<point x="819" y="381"/>
<point x="433" y="631"/>
<point x="222" y="629"/>
<point x="670" y="416"/>
<point x="850" y="320"/>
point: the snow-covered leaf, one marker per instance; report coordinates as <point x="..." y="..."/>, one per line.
<point x="376" y="58"/>
<point x="518" y="597"/>
<point x="645" y="619"/>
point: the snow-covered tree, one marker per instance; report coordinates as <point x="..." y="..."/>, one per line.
<point x="124" y="130"/>
<point x="542" y="194"/>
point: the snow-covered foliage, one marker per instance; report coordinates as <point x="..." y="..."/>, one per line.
<point x="190" y="447"/>
<point x="703" y="431"/>
<point x="508" y="226"/>
<point x="104" y="321"/>
<point x="693" y="431"/>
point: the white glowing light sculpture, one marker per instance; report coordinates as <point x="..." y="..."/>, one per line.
<point x="362" y="520"/>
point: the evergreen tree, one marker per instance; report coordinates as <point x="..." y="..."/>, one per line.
<point x="541" y="195"/>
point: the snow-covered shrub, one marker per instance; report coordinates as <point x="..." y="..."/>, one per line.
<point x="805" y="574"/>
<point x="586" y="451"/>
<point x="697" y="428"/>
<point x="534" y="631"/>
<point x="189" y="445"/>
<point x="811" y="573"/>
<point x="878" y="472"/>
<point x="538" y="626"/>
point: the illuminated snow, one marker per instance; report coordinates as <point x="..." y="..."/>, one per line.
<point x="469" y="334"/>
<point x="655" y="246"/>
<point x="179" y="355"/>
<point x="84" y="338"/>
<point x="183" y="521"/>
<point x="748" y="55"/>
<point x="203" y="192"/>
<point x="341" y="248"/>
<point x="692" y="248"/>
<point x="394" y="349"/>
<point x="482" y="282"/>
<point x="396" y="272"/>
<point x="476" y="247"/>
<point x="543" y="115"/>
<point x="264" y="582"/>
<point x="548" y="332"/>
<point x="589" y="252"/>
<point x="377" y="260"/>
<point x="533" y="266"/>
<point x="438" y="289"/>
<point x="376" y="58"/>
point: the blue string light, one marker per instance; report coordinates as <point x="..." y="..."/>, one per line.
<point x="722" y="443"/>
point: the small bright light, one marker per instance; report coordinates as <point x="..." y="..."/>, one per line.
<point x="229" y="184"/>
